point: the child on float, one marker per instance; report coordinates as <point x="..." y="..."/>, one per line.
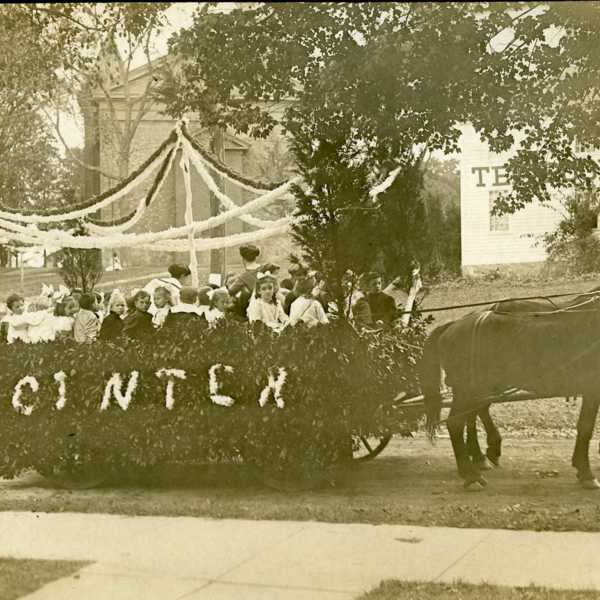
<point x="37" y="324"/>
<point x="187" y="311"/>
<point x="64" y="314"/>
<point x="100" y="305"/>
<point x="306" y="308"/>
<point x="86" y="324"/>
<point x="41" y="322"/>
<point x="220" y="304"/>
<point x="179" y="276"/>
<point x="163" y="302"/>
<point x="138" y="322"/>
<point x="265" y="306"/>
<point x="129" y="301"/>
<point x="112" y="325"/>
<point x="204" y="296"/>
<point x="13" y="323"/>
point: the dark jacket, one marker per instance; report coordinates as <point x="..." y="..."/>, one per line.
<point x="180" y="316"/>
<point x="138" y="325"/>
<point x="383" y="307"/>
<point x="243" y="285"/>
<point x="287" y="302"/>
<point x="111" y="328"/>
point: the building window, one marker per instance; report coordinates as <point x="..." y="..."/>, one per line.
<point x="497" y="222"/>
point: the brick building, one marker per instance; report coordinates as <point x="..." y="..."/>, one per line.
<point x="265" y="159"/>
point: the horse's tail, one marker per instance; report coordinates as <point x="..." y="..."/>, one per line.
<point x="430" y="376"/>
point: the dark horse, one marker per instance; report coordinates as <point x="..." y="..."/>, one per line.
<point x="547" y="349"/>
<point x="542" y="304"/>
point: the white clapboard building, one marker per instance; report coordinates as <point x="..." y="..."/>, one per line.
<point x="488" y="242"/>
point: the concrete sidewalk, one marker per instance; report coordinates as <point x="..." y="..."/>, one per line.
<point x="198" y="559"/>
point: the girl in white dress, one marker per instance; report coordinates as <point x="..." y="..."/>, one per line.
<point x="163" y="301"/>
<point x="220" y="303"/>
<point x="265" y="306"/>
<point x="306" y="308"/>
<point x="16" y="324"/>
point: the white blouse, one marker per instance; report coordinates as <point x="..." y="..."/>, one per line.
<point x="307" y="310"/>
<point x="270" y="314"/>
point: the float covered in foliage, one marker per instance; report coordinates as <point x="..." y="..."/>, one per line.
<point x="285" y="403"/>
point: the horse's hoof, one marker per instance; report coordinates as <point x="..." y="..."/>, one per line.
<point x="494" y="460"/>
<point x="474" y="486"/>
<point x="484" y="464"/>
<point x="590" y="484"/>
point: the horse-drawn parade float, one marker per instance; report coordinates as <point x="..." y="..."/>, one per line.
<point x="294" y="404"/>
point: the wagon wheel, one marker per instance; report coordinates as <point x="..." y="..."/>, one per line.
<point x="74" y="477"/>
<point x="367" y="447"/>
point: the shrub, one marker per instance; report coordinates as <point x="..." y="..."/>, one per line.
<point x="571" y="244"/>
<point x="337" y="382"/>
<point x="80" y="268"/>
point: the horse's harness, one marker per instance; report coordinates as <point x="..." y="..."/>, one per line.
<point x="479" y="321"/>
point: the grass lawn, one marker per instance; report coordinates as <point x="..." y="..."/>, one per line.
<point x="21" y="577"/>
<point x="401" y="590"/>
<point x="411" y="483"/>
<point x="482" y="291"/>
<point x="10" y="281"/>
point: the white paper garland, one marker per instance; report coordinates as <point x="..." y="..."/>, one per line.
<point x="385" y="184"/>
<point x="32" y="382"/>
<point x="141" y="208"/>
<point x="60" y="378"/>
<point x="171" y="375"/>
<point x="214" y="386"/>
<point x="196" y="156"/>
<point x="82" y="212"/>
<point x="126" y="240"/>
<point x="229" y="241"/>
<point x="114" y="388"/>
<point x="223" y="198"/>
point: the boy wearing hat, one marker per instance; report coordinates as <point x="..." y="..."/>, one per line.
<point x="179" y="276"/>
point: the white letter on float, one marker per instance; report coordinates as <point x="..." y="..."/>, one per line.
<point x="276" y="385"/>
<point x="214" y="386"/>
<point x="113" y="388"/>
<point x="60" y="378"/>
<point x="32" y="382"/>
<point x="170" y="374"/>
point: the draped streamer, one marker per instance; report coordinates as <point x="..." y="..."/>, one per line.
<point x="225" y="200"/>
<point x="107" y="200"/>
<point x="144" y="203"/>
<point x="182" y="245"/>
<point x="224" y="172"/>
<point x="235" y="239"/>
<point x="128" y="240"/>
<point x="22" y="227"/>
<point x="385" y="184"/>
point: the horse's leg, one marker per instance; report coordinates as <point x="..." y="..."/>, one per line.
<point x="474" y="449"/>
<point x="456" y="427"/>
<point x="494" y="439"/>
<point x="585" y="429"/>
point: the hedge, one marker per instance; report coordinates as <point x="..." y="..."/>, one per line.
<point x="336" y="383"/>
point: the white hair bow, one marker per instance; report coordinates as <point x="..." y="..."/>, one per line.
<point x="265" y="274"/>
